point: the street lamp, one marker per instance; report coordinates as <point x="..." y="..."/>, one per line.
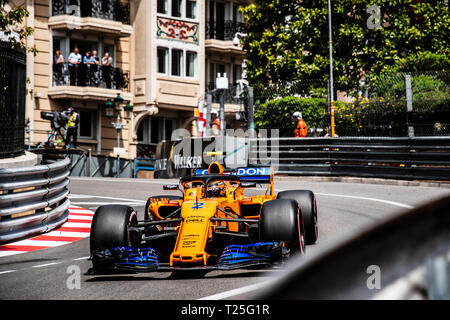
<point x="109" y="111"/>
<point x="128" y="109"/>
<point x="118" y="125"/>
<point x="118" y="100"/>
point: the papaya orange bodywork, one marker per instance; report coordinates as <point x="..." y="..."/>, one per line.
<point x="197" y="211"/>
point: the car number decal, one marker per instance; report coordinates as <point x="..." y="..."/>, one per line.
<point x="198" y="205"/>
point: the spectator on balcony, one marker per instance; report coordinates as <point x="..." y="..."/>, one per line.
<point x="107" y="69"/>
<point x="88" y="62"/>
<point x="58" y="64"/>
<point x="94" y="67"/>
<point x="74" y="67"/>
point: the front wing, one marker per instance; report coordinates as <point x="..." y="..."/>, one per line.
<point x="145" y="259"/>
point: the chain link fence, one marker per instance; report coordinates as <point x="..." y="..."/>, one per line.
<point x="392" y="105"/>
<point x="404" y="104"/>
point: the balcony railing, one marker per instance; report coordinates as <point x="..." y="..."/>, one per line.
<point x="224" y="30"/>
<point x="89" y="76"/>
<point x="114" y="10"/>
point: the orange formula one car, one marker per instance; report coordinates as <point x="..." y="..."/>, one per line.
<point x="214" y="225"/>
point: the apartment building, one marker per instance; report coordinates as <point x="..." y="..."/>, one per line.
<point x="165" y="55"/>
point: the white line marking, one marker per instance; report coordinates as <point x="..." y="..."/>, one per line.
<point x="7" y="271"/>
<point x="77" y="196"/>
<point x="40" y="243"/>
<point x="74" y="216"/>
<point x="46" y="265"/>
<point x="112" y="198"/>
<point x="77" y="224"/>
<point x="68" y="234"/>
<point x="104" y="203"/>
<point x="238" y="291"/>
<point x="86" y="211"/>
<point x="82" y="258"/>
<point x="394" y="203"/>
<point x="145" y="181"/>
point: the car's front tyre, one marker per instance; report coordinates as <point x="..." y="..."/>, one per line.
<point x="281" y="221"/>
<point x="308" y="205"/>
<point x="110" y="227"/>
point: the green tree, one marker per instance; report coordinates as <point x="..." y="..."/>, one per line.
<point x="11" y="20"/>
<point x="277" y="114"/>
<point x="289" y="40"/>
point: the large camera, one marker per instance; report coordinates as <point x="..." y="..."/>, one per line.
<point x="57" y="119"/>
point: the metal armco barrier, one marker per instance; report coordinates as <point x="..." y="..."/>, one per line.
<point x="426" y="158"/>
<point x="33" y="199"/>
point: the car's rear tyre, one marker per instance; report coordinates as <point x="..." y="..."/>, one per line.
<point x="308" y="205"/>
<point x="281" y="221"/>
<point x="110" y="227"/>
<point x="149" y="200"/>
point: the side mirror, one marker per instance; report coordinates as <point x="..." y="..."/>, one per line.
<point x="248" y="184"/>
<point x="170" y="187"/>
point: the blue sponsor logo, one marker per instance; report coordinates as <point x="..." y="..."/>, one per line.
<point x="241" y="172"/>
<point x="253" y="171"/>
<point x="201" y="172"/>
<point x="198" y="205"/>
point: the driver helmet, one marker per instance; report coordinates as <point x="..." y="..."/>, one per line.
<point x="217" y="188"/>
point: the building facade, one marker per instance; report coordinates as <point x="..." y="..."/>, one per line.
<point x="163" y="56"/>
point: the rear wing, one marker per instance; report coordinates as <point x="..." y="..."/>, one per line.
<point x="256" y="174"/>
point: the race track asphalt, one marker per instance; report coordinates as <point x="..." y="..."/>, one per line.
<point x="344" y="209"/>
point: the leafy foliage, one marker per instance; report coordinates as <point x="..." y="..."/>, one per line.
<point x="277" y="114"/>
<point x="288" y="40"/>
<point x="12" y="21"/>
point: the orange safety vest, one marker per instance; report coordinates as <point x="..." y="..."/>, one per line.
<point x="302" y="129"/>
<point x="216" y="122"/>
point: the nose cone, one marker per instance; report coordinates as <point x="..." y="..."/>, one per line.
<point x="193" y="234"/>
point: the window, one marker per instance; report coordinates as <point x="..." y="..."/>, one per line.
<point x="237" y="73"/>
<point x="152" y="130"/>
<point x="214" y="69"/>
<point x="155" y="125"/>
<point x="176" y="8"/>
<point x="168" y="128"/>
<point x="191" y="9"/>
<point x="237" y="16"/>
<point x="162" y="6"/>
<point x="191" y="58"/>
<point x="162" y="60"/>
<point x="86" y="125"/>
<point x="177" y="62"/>
<point x="140" y="131"/>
